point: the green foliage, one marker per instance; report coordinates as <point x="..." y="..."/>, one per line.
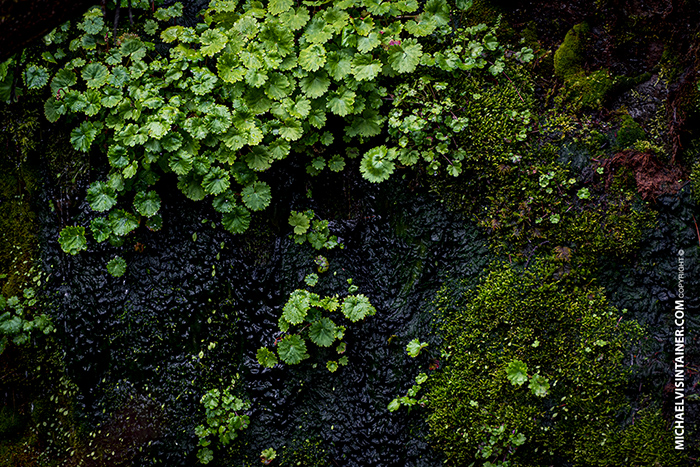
<point x="117" y="266"/>
<point x="267" y="456"/>
<point x="72" y="239"/>
<point x="567" y="59"/>
<point x="18" y="319"/>
<point x="303" y="317"/>
<point x="580" y="380"/>
<point x="315" y="231"/>
<point x="499" y="445"/>
<point x="251" y="85"/>
<point x="414" y="347"/>
<point x="409" y="399"/>
<point x="224" y="419"/>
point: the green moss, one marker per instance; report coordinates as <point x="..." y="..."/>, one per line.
<point x="562" y="329"/>
<point x="567" y="59"/>
<point x="695" y="182"/>
<point x="629" y="133"/>
<point x="17" y="245"/>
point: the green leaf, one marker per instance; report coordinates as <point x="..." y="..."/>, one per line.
<point x="405" y="57"/>
<point x="266" y="358"/>
<point x="339" y="65"/>
<point x="237" y="221"/>
<point x="63" y="80"/>
<point x="216" y="181"/>
<point x="147" y="204"/>
<point x="292" y="349"/>
<point x="322" y="332"/>
<point x="154" y="223"/>
<point x="318" y="31"/>
<point x="315" y="84"/>
<point x="291" y="129"/>
<point x="538" y="385"/>
<point x="117" y="266"/>
<point x="332" y="366"/>
<point x="53" y="109"/>
<point x="276" y="7"/>
<point x="101" y="197"/>
<point x="95" y="75"/>
<point x="180" y="162"/>
<point x="82" y="137"/>
<point x="356" y="307"/>
<point x="101" y="229"/>
<point x="312" y="57"/>
<point x="300" y="221"/>
<point x="278" y="86"/>
<point x="336" y="163"/>
<point x="341" y="101"/>
<point x="295" y="19"/>
<point x="297" y="307"/>
<point x="311" y="280"/>
<point x="111" y="96"/>
<point x="414" y="347"/>
<point x="376" y="165"/>
<point x="257" y="159"/>
<point x="72" y="239"/>
<point x="122" y="222"/>
<point x="516" y="372"/>
<point x="369" y="42"/>
<point x="365" y="67"/>
<point x="36" y="77"/>
<point x="212" y="41"/>
<point x="394" y="405"/>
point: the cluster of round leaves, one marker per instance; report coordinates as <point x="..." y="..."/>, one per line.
<point x="303" y="316"/>
<point x="231" y="96"/>
<point x="225" y="417"/>
<point x="15" y="325"/>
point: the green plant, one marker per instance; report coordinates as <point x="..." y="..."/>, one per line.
<point x="414" y="347"/>
<point x="409" y="399"/>
<point x="267" y="456"/>
<point x="577" y="382"/>
<point x="499" y="443"/>
<point x="16" y="321"/>
<point x="307" y="315"/>
<point x="315" y="231"/>
<point x="224" y="419"/>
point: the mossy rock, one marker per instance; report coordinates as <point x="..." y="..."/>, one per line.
<point x="568" y="61"/>
<point x="562" y="329"/>
<point x="629" y="133"/>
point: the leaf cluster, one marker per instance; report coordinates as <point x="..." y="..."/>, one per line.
<point x="308" y="316"/>
<point x="225" y="418"/>
<point x="16" y="323"/>
<point x="315" y="231"/>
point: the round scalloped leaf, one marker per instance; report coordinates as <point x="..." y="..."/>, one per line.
<point x="312" y="57"/>
<point x="292" y="349"/>
<point x="117" y="266"/>
<point x="147" y="204"/>
<point x="72" y="239"/>
<point x="295" y="19"/>
<point x="213" y="41"/>
<point x="336" y="163"/>
<point x="237" y="221"/>
<point x="95" y="75"/>
<point x="275" y="7"/>
<point x="122" y="222"/>
<point x="63" y="80"/>
<point x="101" y="197"/>
<point x="101" y="229"/>
<point x="517" y="372"/>
<point x="36" y="77"/>
<point x="376" y="165"/>
<point x="266" y="358"/>
<point x="53" y="109"/>
<point x="357" y="307"/>
<point x="216" y="181"/>
<point x="224" y="202"/>
<point x="322" y="332"/>
<point x="300" y="221"/>
<point x="82" y="137"/>
<point x="315" y="84"/>
<point x="297" y="307"/>
<point x="406" y="56"/>
<point x="257" y="196"/>
<point x="539" y="385"/>
<point x="332" y="366"/>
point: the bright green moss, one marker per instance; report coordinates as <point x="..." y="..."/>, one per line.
<point x="629" y="133"/>
<point x="695" y="182"/>
<point x="560" y="328"/>
<point x="567" y="59"/>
